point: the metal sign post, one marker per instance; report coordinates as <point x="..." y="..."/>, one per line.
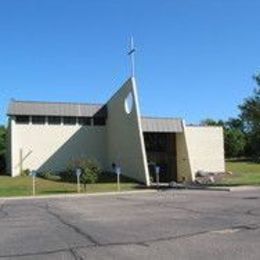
<point x="78" y="173"/>
<point x="118" y="173"/>
<point x="157" y="173"/>
<point x="33" y="175"/>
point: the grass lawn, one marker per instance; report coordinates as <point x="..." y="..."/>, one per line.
<point x="22" y="186"/>
<point x="244" y="173"/>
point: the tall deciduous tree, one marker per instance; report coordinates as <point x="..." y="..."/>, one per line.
<point x="212" y="122"/>
<point x="2" y="140"/>
<point x="235" y="142"/>
<point x="250" y="114"/>
<point x="234" y="137"/>
<point x="2" y="147"/>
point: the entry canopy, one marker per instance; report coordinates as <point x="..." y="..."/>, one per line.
<point x="163" y="125"/>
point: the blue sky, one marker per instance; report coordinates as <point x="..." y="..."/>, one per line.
<point x="194" y="59"/>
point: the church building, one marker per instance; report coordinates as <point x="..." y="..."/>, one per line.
<point x="46" y="136"/>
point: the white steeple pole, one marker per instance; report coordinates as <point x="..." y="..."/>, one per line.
<point x="132" y="57"/>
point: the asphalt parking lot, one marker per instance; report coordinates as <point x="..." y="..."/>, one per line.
<point x="161" y="225"/>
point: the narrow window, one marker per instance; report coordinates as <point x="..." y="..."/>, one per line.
<point x="22" y="119"/>
<point x="69" y="120"/>
<point x="54" y="120"/>
<point x="84" y="120"/>
<point x="99" y="121"/>
<point x="38" y="120"/>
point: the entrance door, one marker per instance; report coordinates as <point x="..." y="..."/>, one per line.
<point x="161" y="150"/>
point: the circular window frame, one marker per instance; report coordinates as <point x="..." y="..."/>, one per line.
<point x="129" y="103"/>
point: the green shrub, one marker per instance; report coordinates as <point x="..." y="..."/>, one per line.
<point x="25" y="172"/>
<point x="89" y="175"/>
<point x="49" y="176"/>
<point x="89" y="171"/>
<point x="107" y="177"/>
<point x="68" y="175"/>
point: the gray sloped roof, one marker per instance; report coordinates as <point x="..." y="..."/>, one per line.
<point x="54" y="109"/>
<point x="163" y="125"/>
<point x="31" y="108"/>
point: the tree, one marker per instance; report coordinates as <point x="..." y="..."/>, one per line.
<point x="2" y="147"/>
<point x="235" y="123"/>
<point x="235" y="142"/>
<point x="242" y="135"/>
<point x="250" y="114"/>
<point x="212" y="122"/>
<point x="90" y="171"/>
<point x="234" y="137"/>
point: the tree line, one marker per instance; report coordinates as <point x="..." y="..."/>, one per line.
<point x="242" y="134"/>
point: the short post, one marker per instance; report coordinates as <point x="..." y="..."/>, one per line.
<point x="118" y="173"/>
<point x="157" y="173"/>
<point x="78" y="173"/>
<point x="33" y="175"/>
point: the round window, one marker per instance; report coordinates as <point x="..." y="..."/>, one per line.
<point x="129" y="100"/>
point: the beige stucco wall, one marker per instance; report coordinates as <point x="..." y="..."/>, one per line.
<point x="51" y="147"/>
<point x="205" y="149"/>
<point x="125" y="144"/>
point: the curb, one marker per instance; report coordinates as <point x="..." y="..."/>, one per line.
<point x="245" y="188"/>
<point x="72" y="195"/>
<point x="234" y="188"/>
<point x="210" y="188"/>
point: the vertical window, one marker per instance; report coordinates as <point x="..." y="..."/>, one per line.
<point x="84" y="120"/>
<point x="69" y="120"/>
<point x="99" y="121"/>
<point x="22" y="119"/>
<point x="54" y="120"/>
<point x="38" y="120"/>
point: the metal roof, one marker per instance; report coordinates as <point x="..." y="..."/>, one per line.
<point x="163" y="125"/>
<point x="35" y="108"/>
<point x="54" y="109"/>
